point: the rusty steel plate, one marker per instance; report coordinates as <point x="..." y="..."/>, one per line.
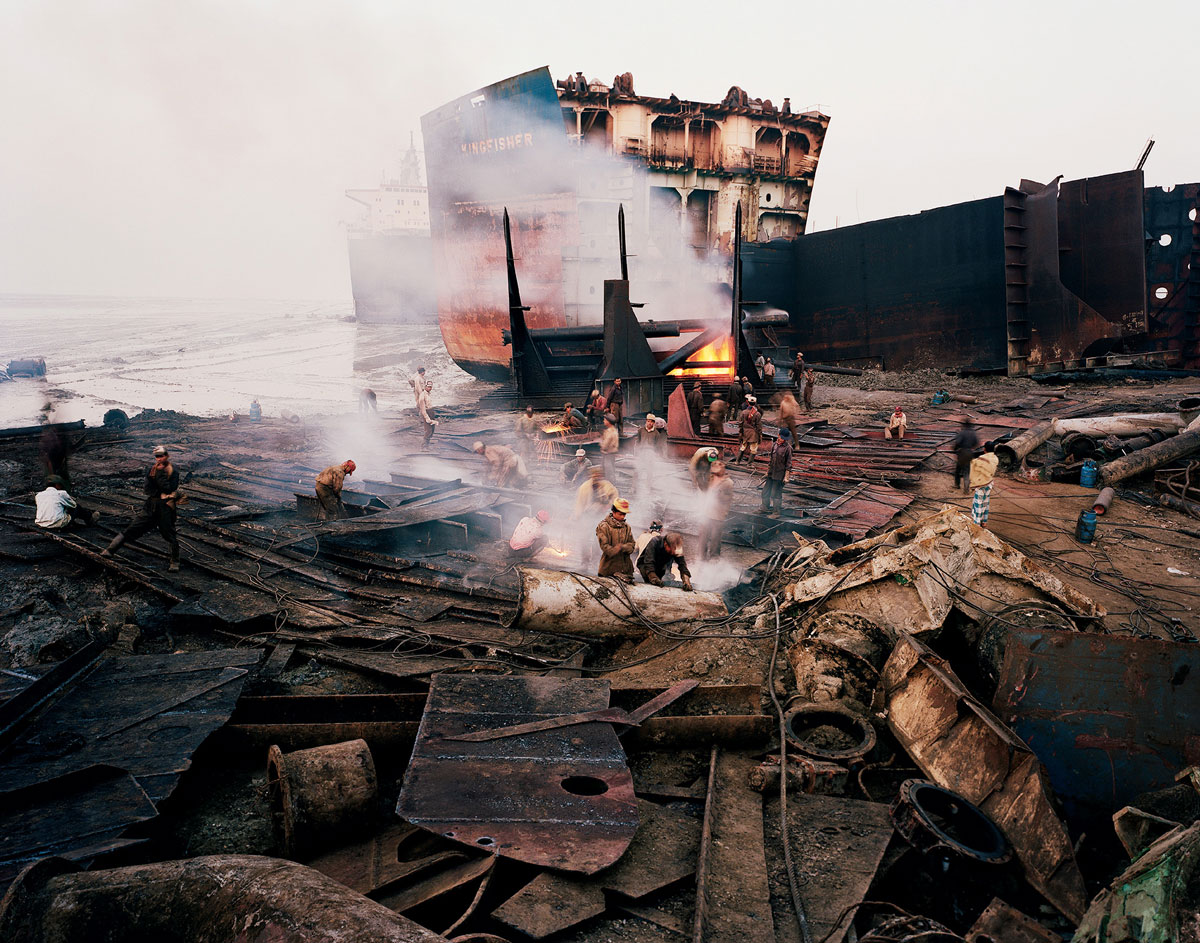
<point x="560" y="798"/>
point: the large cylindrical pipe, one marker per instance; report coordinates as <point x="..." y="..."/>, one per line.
<point x="215" y="898"/>
<point x="1151" y="457"/>
<point x="573" y="604"/>
<point x="1179" y="504"/>
<point x="1013" y="452"/>
<point x="845" y="371"/>
<point x="321" y="796"/>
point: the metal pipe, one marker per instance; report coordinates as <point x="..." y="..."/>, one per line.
<point x="1013" y="452"/>
<point x="573" y="604"/>
<point x="216" y="898"/>
<point x="1103" y="501"/>
<point x="321" y="796"/>
<point x="1179" y="504"/>
<point x="845" y="371"/>
<point x="963" y="398"/>
<point x="1151" y="457"/>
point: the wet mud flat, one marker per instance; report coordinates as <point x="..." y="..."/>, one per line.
<point x="140" y="706"/>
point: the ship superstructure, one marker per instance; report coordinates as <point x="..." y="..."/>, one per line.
<point x="391" y="255"/>
<point x="562" y="158"/>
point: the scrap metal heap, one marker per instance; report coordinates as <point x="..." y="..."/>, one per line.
<point x="867" y="730"/>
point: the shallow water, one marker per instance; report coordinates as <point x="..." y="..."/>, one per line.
<point x="210" y="357"/>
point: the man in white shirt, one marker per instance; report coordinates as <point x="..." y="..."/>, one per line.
<point x="528" y="537"/>
<point x="56" y="509"/>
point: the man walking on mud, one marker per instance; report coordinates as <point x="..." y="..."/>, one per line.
<point x="162" y="494"/>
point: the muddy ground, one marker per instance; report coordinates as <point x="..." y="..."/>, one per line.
<point x="1143" y="567"/>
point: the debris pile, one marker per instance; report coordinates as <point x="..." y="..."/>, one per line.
<point x="392" y="722"/>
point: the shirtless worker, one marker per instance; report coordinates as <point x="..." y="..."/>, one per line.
<point x="721" y="490"/>
<point x="162" y="494"/>
<point x="789" y="411"/>
<point x="615" y="538"/>
<point x="425" y="412"/>
<point x="527" y="431"/>
<point x="505" y="468"/>
<point x="593" y="497"/>
<point x="610" y="443"/>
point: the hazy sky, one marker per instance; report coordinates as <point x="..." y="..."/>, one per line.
<point x="177" y="147"/>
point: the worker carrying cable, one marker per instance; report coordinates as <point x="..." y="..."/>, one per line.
<point x="700" y="466"/>
<point x="162" y="496"/>
<point x="329" y="490"/>
<point x="505" y="467"/>
<point x="663" y="551"/>
<point x="616" y="543"/>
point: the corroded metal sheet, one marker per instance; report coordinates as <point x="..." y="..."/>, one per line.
<point x="558" y="798"/>
<point x="961" y="745"/>
<point x="1109" y="717"/>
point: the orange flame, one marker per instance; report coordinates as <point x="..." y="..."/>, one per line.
<point x="718" y="351"/>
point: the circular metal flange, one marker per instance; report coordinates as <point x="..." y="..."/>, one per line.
<point x="931" y="818"/>
<point x="807" y="725"/>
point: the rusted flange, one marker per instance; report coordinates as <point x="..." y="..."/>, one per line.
<point x="829" y="732"/>
<point x="320" y="796"/>
<point x="931" y="818"/>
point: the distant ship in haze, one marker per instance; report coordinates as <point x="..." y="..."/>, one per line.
<point x="391" y="254"/>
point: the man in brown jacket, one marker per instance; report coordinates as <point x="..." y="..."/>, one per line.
<point x="616" y="401"/>
<point x="717" y="410"/>
<point x="751" y="430"/>
<point x="720" y="491"/>
<point x="616" y="543"/>
<point x="329" y="490"/>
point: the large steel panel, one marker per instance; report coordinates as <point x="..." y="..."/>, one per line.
<point x="1109" y="717"/>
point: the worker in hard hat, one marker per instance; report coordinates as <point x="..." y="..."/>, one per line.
<point x="329" y="490"/>
<point x="577" y="468"/>
<point x="720" y="491"/>
<point x="528" y="537"/>
<point x="750" y="431"/>
<point x="505" y="467"/>
<point x="616" y="543"/>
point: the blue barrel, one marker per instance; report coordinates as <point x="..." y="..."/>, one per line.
<point x="1087" y="475"/>
<point x="940" y="397"/>
<point x="1085" y="527"/>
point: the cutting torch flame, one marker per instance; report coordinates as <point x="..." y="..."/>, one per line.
<point x="718" y="351"/>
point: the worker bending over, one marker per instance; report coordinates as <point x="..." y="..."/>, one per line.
<point x="505" y="467"/>
<point x="577" y="468"/>
<point x="57" y="510"/>
<point x="528" y="537"/>
<point x="329" y="490"/>
<point x="659" y="555"/>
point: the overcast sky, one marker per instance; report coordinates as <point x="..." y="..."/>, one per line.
<point x="186" y="148"/>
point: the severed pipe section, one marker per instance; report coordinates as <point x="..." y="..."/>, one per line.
<point x="215" y="898"/>
<point x="573" y="604"/>
<point x="1151" y="457"/>
<point x="1013" y="452"/>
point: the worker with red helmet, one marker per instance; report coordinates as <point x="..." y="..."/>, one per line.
<point x="329" y="490"/>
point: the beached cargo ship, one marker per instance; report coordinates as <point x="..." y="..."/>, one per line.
<point x="391" y="255"/>
<point x="562" y="158"/>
